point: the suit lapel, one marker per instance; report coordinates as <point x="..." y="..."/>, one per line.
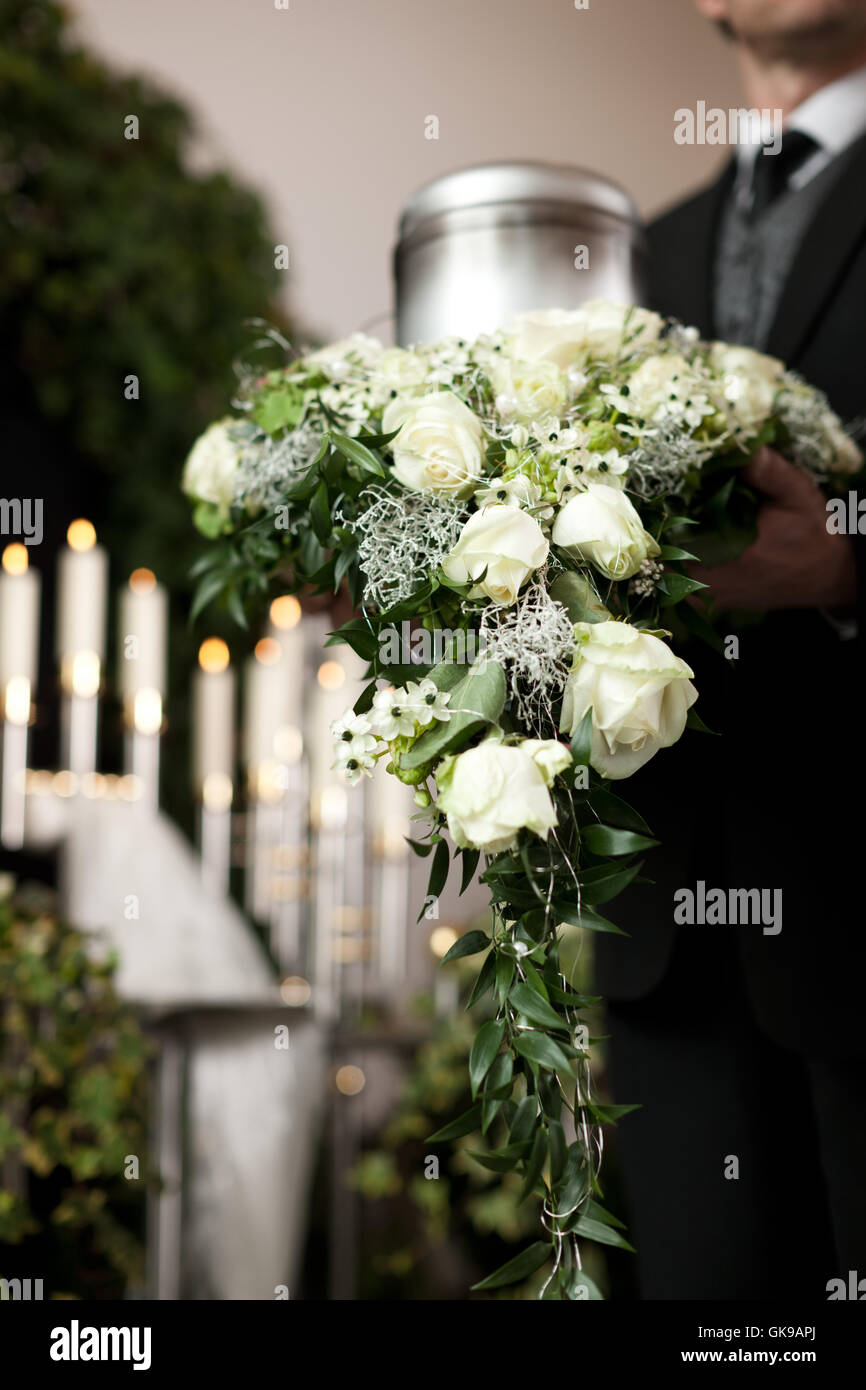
<point x="831" y="238"/>
<point x="702" y="260"/>
<point x="683" y="253"/>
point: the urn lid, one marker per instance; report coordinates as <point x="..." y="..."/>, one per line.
<point x="513" y="182"/>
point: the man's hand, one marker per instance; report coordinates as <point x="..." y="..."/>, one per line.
<point x="795" y="561"/>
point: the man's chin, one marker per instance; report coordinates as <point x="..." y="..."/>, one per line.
<point x="802" y="39"/>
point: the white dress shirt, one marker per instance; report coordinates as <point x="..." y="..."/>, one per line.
<point x="834" y="116"/>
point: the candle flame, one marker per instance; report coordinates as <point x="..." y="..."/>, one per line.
<point x="213" y="655"/>
<point x="331" y="675"/>
<point x="350" y="1081"/>
<point x="147" y="711"/>
<point x="268" y="651"/>
<point x="15" y="559"/>
<point x="80" y="674"/>
<point x="296" y="991"/>
<point x="81" y="535"/>
<point x="217" y="792"/>
<point x="285" y="612"/>
<point x="142" y="581"/>
<point x="16" y="705"/>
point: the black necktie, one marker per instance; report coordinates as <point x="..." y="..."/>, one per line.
<point x="771" y="172"/>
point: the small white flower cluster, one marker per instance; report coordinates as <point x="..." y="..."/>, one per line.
<point x="396" y="714"/>
<point x="645" y="581"/>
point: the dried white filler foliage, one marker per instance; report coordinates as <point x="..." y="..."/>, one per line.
<point x="403" y="538"/>
<point x="534" y="641"/>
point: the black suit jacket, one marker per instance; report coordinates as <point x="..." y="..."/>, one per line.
<point x="777" y="800"/>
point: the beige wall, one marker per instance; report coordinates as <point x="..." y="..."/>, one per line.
<point x="322" y="107"/>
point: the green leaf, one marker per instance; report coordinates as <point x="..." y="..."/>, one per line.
<point x="504" y="976"/>
<point x="609" y="1114"/>
<point x="466" y="1123"/>
<point x="487" y="1043"/>
<point x="581" y="743"/>
<point x="534" y="1163"/>
<point x="538" y="1048"/>
<point x="673" y="552"/>
<point x="558" y="1150"/>
<point x="606" y="881"/>
<point x="617" y="811"/>
<point x="470" y="859"/>
<point x="359" y="453"/>
<point x="420" y="847"/>
<point x="585" y="917"/>
<point x="499" y="1079"/>
<point x="357" y="634"/>
<point x="320" y="513"/>
<point x="600" y="1213"/>
<point x="469" y="944"/>
<point x="518" y="1269"/>
<point x="208" y="520"/>
<point x="439" y="870"/>
<point x="601" y="1234"/>
<point x="578" y="598"/>
<point x="212" y="585"/>
<point x="605" y="839"/>
<point x="577" y="1001"/>
<point x="533" y="1007"/>
<point x="499" y="1160"/>
<point x="525" y="1120"/>
<point x="676" y="587"/>
<point x="486" y="976"/>
<point x="694" y="721"/>
<point x="477" y="700"/>
<point x="276" y="409"/>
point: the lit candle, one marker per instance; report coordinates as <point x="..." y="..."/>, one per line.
<point x="287" y="630"/>
<point x="264" y="704"/>
<point x="81" y="582"/>
<point x="213" y="731"/>
<point x="142" y="649"/>
<point x="332" y="696"/>
<point x="19" y="633"/>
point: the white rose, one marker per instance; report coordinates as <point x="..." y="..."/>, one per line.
<point x="848" y="456"/>
<point x="529" y="390"/>
<point x="490" y="793"/>
<point x="440" y="444"/>
<point x="598" y="328"/>
<point x="638" y="691"/>
<point x="209" y="471"/>
<point x="549" y="755"/>
<point x="499" y="546"/>
<point x="602" y="526"/>
<point x="750" y="381"/>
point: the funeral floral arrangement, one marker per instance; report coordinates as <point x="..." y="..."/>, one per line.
<point x="520" y="511"/>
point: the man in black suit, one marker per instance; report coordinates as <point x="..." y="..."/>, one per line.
<point x="746" y="1048"/>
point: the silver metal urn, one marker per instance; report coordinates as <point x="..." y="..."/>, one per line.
<point x="477" y="245"/>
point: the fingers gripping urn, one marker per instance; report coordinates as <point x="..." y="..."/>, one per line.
<point x="480" y="244"/>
